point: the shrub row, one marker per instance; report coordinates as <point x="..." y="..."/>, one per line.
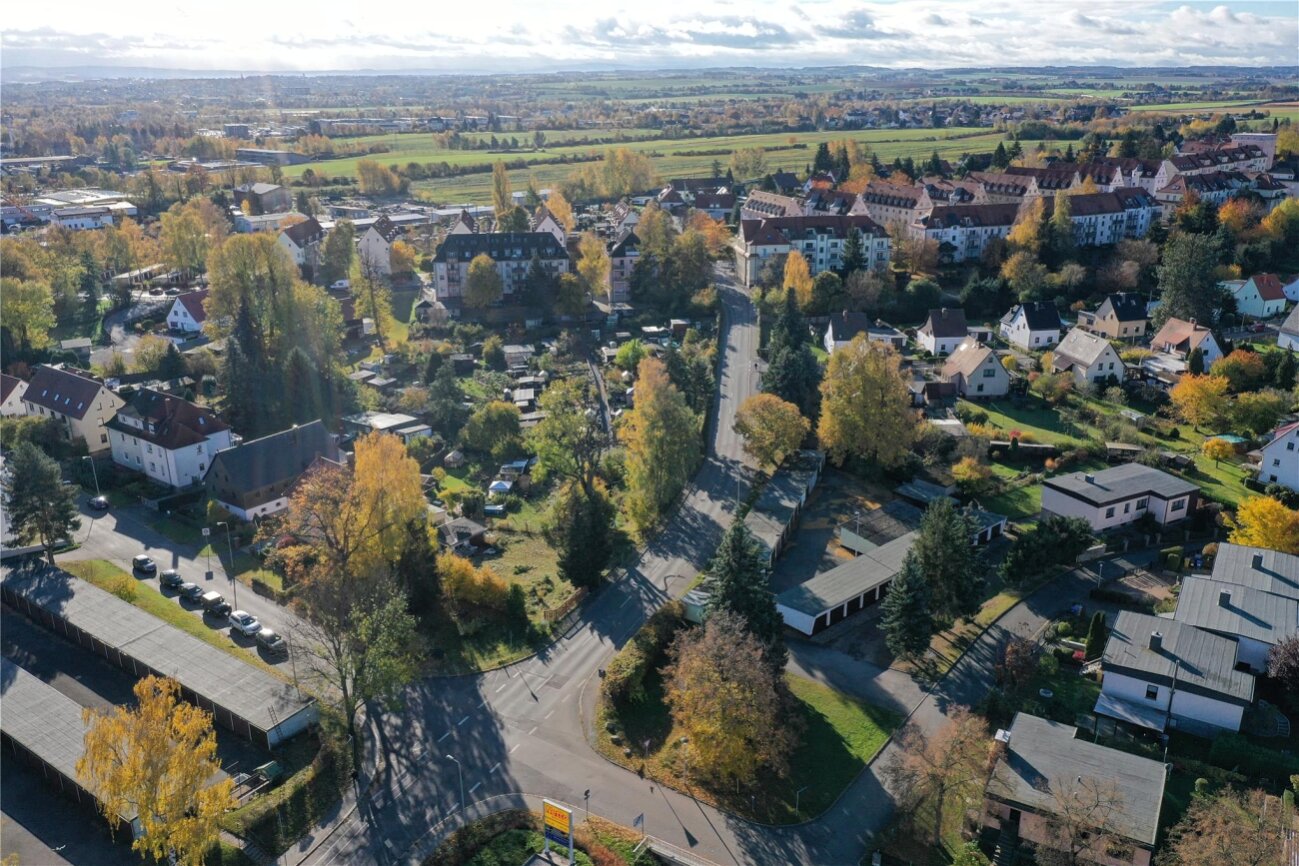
<point x="624" y="678"/>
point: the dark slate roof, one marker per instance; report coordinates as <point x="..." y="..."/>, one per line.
<point x="627" y="244"/>
<point x="1267" y="570"/>
<point x="1248" y="612"/>
<point x="387" y="229"/>
<point x="848" y="324"/>
<point x="1039" y="315"/>
<point x="274" y="458"/>
<point x="783" y="230"/>
<point x="7" y="385"/>
<point x="304" y="233"/>
<point x="1042" y="754"/>
<point x="1201" y="662"/>
<point x="832" y="588"/>
<point x="1126" y="306"/>
<point x="970" y="216"/>
<point x="64" y="391"/>
<point x="169" y="422"/>
<point x="501" y="247"/>
<point x="1118" y="483"/>
<point x="945" y="323"/>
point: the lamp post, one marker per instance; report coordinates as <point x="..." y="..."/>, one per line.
<point x="95" y="473"/>
<point x="207" y="546"/>
<point x="234" y="584"/>
<point x="797" y="794"/>
<point x="462" y="780"/>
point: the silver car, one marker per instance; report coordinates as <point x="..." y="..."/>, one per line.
<point x="244" y="623"/>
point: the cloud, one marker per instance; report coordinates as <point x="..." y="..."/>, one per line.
<point x="857" y="24"/>
<point x="1104" y="25"/>
<point x="936" y="20"/>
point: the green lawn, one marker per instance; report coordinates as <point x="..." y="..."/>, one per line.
<point x="1037" y="420"/>
<point x="105" y="575"/>
<point x="1017" y="503"/>
<point x="1198" y="106"/>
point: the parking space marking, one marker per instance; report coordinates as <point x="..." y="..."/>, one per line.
<point x="494" y="768"/>
<point x="548" y="715"/>
<point x="533" y="731"/>
<point x="444" y="736"/>
<point x="475" y="787"/>
<point x="462" y="721"/>
<point x="515" y="746"/>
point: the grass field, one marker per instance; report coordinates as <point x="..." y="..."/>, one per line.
<point x="667" y="154"/>
<point x="1198" y="106"/>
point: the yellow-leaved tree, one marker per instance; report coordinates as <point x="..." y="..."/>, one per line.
<point x="1200" y="400"/>
<point x="502" y="196"/>
<point x="157" y="760"/>
<point x="1262" y="521"/>
<point x="662" y="438"/>
<point x="1218" y="450"/>
<point x="561" y="210"/>
<point x="772" y="428"/>
<point x="593" y="263"/>
<point x="798" y="277"/>
<point x="865" y="405"/>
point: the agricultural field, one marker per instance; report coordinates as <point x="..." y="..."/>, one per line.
<point x="1198" y="106"/>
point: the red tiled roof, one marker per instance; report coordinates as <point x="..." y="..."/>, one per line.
<point x="193" y="304"/>
<point x="1269" y="287"/>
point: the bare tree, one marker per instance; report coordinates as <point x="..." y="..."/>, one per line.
<point x="1083" y="823"/>
<point x="1243" y="828"/>
<point x="931" y="772"/>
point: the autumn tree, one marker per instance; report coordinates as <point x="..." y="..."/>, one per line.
<point x="502" y="198"/>
<point x="1026" y="276"/>
<point x="149" y="352"/>
<point x="1262" y="521"/>
<point x="27" y="312"/>
<point x="1218" y="449"/>
<point x="570" y="439"/>
<point x="493" y="430"/>
<point x="337" y="252"/>
<point x="1243" y="370"/>
<point x="865" y="405"/>
<point x="737" y="582"/>
<point x="1243" y="828"/>
<point x="483" y="286"/>
<point x="1283" y="663"/>
<point x="748" y="163"/>
<point x="593" y="264"/>
<point x="401" y="258"/>
<point x="158" y="760"/>
<point x="929" y="772"/>
<point x="772" y="429"/>
<point x="1085" y="816"/>
<point x="561" y="210"/>
<point x="40" y="506"/>
<point x="971" y="476"/>
<point x="662" y="439"/>
<point x="798" y="279"/>
<point x="1259" y="411"/>
<point x="1200" y="400"/>
<point x="728" y="700"/>
<point x="1018" y="662"/>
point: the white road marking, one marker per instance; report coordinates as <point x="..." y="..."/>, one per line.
<point x="494" y="768"/>
<point x="548" y="715"/>
<point x="501" y="686"/>
<point x="483" y="703"/>
<point x="475" y="787"/>
<point x="444" y="736"/>
<point x="462" y="721"/>
<point x="515" y="746"/>
<point x="533" y="731"/>
<point x="629" y="600"/>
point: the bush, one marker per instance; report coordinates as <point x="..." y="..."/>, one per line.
<point x="278" y="819"/>
<point x="624" y="678"/>
<point x="121" y="585"/>
<point x="1235" y="752"/>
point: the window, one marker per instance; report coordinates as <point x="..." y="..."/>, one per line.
<point x="1152" y="693"/>
<point x="1109" y="512"/>
<point x="1127" y="506"/>
<point x="1289" y="446"/>
<point x="989" y="372"/>
<point x="1178" y="505"/>
<point x="1142" y="504"/>
<point x="980" y="388"/>
<point x="103" y="438"/>
<point x="1276" y="461"/>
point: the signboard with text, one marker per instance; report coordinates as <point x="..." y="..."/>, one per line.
<point x="558" y="823"/>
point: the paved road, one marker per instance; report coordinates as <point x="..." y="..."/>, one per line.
<point x="120" y="534"/>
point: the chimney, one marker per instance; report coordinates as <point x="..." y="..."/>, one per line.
<point x="1089" y="478"/>
<point x="1258" y="561"/>
<point x="1156" y="641"/>
<point x="1224" y="598"/>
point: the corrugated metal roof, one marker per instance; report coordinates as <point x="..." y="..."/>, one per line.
<point x="1276" y="572"/>
<point x="1201" y="661"/>
<point x="1249" y="612"/>
<point x="1044" y="759"/>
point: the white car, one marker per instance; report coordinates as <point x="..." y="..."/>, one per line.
<point x="244" y="623"/>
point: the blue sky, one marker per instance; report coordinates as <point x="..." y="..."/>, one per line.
<point x="516" y="35"/>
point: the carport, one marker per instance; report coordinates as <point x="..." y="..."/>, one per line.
<point x="834" y="595"/>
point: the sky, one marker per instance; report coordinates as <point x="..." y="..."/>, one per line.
<point x="524" y="35"/>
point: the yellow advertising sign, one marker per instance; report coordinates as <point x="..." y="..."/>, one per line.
<point x="558" y="818"/>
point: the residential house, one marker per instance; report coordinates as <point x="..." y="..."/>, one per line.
<point x="463" y="224"/>
<point x="785" y="182"/>
<point x="1158" y="672"/>
<point x="511" y="251"/>
<point x="302" y="242"/>
<point x="1033" y="326"/>
<point x="376" y="243"/>
<point x="1288" y="336"/>
<point x="623" y="255"/>
<point x="964" y="231"/>
<point x="1280" y="461"/>
<point x="829" y="202"/>
<point x="976" y="371"/>
<point x="1178" y="338"/>
<point x="1046" y="763"/>
<point x="718" y="205"/>
<point x="263" y="198"/>
<point x="80" y="403"/>
<point x="256" y="478"/>
<point x="1105" y="218"/>
<point x="1121" y="316"/>
<point x="1120" y="495"/>
<point x="267" y="222"/>
<point x="820" y="240"/>
<point x="168" y="439"/>
<point x="83" y="217"/>
<point x="943" y="331"/>
<point x="888" y="203"/>
<point x="1262" y="296"/>
<point x="1089" y="357"/>
<point x="761" y="205"/>
<point x="544" y="221"/>
<point x="1197" y="160"/>
<point x="1254" y="618"/>
<point x="847" y="324"/>
<point x="187" y="313"/>
<point x="11" y="396"/>
<point x="1290" y="287"/>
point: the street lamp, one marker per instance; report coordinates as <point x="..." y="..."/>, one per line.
<point x="797" y="794"/>
<point x="234" y="584"/>
<point x="95" y="473"/>
<point x="462" y="780"/>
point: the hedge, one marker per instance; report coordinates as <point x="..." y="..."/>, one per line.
<point x="624" y="678"/>
<point x="1235" y="752"/>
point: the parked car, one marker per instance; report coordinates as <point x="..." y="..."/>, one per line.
<point x="171" y="579"/>
<point x="99" y="503"/>
<point x="191" y="591"/>
<point x="244" y="623"/>
<point x="143" y="564"/>
<point x="271" y="642"/>
<point x="215" y="603"/>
